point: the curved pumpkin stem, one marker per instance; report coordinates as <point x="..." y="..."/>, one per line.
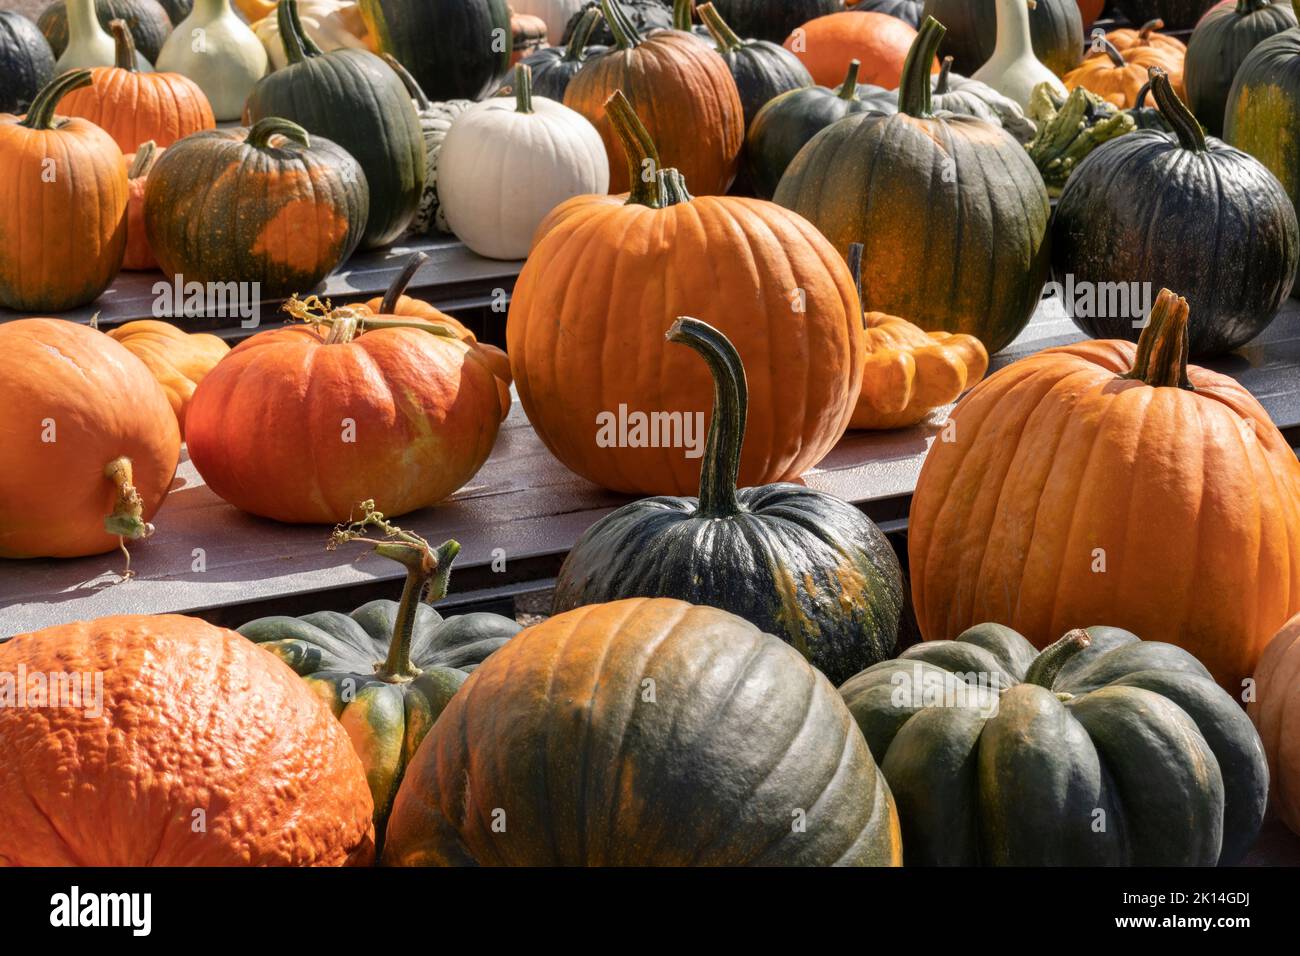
<point x="146" y="154"/>
<point x="1161" y="359"/>
<point x="1047" y="665"/>
<point x="941" y="81"/>
<point x="297" y="44"/>
<point x="123" y="46"/>
<point x="1150" y="27"/>
<point x="575" y="52"/>
<point x="1140" y="100"/>
<point x="625" y="33"/>
<point x="41" y="113"/>
<point x="413" y="90"/>
<point x="1102" y="45"/>
<point x="1175" y="111"/>
<point x="722" y="34"/>
<point x="848" y="90"/>
<point x="259" y="137"/>
<point x="642" y="154"/>
<point x="721" y="464"/>
<point x="914" y="86"/>
<point x="428" y="572"/>
<point x="397" y="288"/>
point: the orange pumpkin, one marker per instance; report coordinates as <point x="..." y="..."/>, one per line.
<point x="1099" y="482"/>
<point x="682" y="89"/>
<point x="1275" y="709"/>
<point x="1119" y="77"/>
<point x="88" y="443"/>
<point x="303" y="423"/>
<point x="139" y="254"/>
<point x="189" y="746"/>
<point x="603" y="283"/>
<point x="879" y="41"/>
<point x="63" y="195"/>
<point x="1147" y="38"/>
<point x="134" y="107"/>
<point x="177" y="360"/>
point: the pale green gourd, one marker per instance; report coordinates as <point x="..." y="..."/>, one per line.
<point x="217" y="50"/>
<point x="1013" y="69"/>
<point x="89" y="44"/>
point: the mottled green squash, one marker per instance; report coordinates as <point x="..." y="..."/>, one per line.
<point x="1219" y="45"/>
<point x="1103" y="750"/>
<point x="802" y="565"/>
<point x="388" y="668"/>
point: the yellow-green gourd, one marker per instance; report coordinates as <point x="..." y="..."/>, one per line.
<point x="89" y="44"/>
<point x="217" y="50"/>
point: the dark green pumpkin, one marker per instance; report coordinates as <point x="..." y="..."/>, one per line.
<point x="1219" y="45"/>
<point x="26" y="62"/>
<point x="1103" y="750"/>
<point x="554" y="66"/>
<point x="967" y="97"/>
<point x="1177" y="14"/>
<point x="909" y="11"/>
<point x="773" y="20"/>
<point x="951" y="209"/>
<point x="786" y="124"/>
<point x="1055" y="29"/>
<point x="280" y="213"/>
<point x="455" y="49"/>
<point x="353" y="98"/>
<point x="388" y="668"/>
<point x="1182" y="212"/>
<point x="802" y="565"/>
<point x="763" y="70"/>
<point x="646" y="15"/>
<point x="146" y="19"/>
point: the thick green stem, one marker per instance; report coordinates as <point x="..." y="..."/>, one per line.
<point x="259" y="137"/>
<point x="1161" y="358"/>
<point x="41" y="113"/>
<point x="123" y="46"/>
<point x="309" y="47"/>
<point x="397" y="288"/>
<point x="625" y="33"/>
<point x="849" y="88"/>
<point x="422" y="101"/>
<point x="682" y="15"/>
<point x="127" y="517"/>
<point x="1148" y="28"/>
<point x="722" y="34"/>
<point x="146" y="154"/>
<point x="721" y="464"/>
<point x="1175" y="111"/>
<point x="642" y="156"/>
<point x="427" y="573"/>
<point x="1047" y="665"/>
<point x="289" y="39"/>
<point x="523" y="88"/>
<point x="914" y="87"/>
<point x="575" y="52"/>
<point x="941" y="81"/>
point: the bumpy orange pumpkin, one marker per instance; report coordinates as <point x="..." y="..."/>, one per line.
<point x="134" y="107"/>
<point x="879" y="41"/>
<point x="88" y="443"/>
<point x="1104" y="482"/>
<point x="1275" y="710"/>
<point x="139" y="254"/>
<point x="604" y="281"/>
<point x="1119" y="77"/>
<point x="178" y="360"/>
<point x="303" y="423"/>
<point x="188" y="746"/>
<point x="683" y="91"/>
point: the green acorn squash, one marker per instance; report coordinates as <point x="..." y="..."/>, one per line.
<point x="1102" y="750"/>
<point x="26" y="62"/>
<point x="1055" y="30"/>
<point x="554" y="66"/>
<point x="354" y="99"/>
<point x="951" y="209"/>
<point x="388" y="668"/>
<point x="146" y="19"/>
<point x="1181" y="212"/>
<point x="455" y="49"/>
<point x="802" y="565"/>
<point x="1219" y="45"/>
<point x="773" y="20"/>
<point x="762" y="69"/>
<point x="967" y="97"/>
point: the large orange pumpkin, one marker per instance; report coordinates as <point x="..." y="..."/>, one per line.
<point x="1103" y="482"/>
<point x="178" y="360"/>
<point x="88" y="443"/>
<point x="683" y="91"/>
<point x="188" y="746"/>
<point x="1275" y="710"/>
<point x="879" y="41"/>
<point x="606" y="278"/>
<point x="134" y="107"/>
<point x="303" y="423"/>
<point x="63" y="195"/>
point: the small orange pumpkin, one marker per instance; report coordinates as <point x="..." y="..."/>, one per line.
<point x="1147" y="38"/>
<point x="879" y="41"/>
<point x="1118" y="77"/>
<point x="178" y="360"/>
<point x="134" y="107"/>
<point x="1275" y="710"/>
<point x="182" y="722"/>
<point x="139" y="254"/>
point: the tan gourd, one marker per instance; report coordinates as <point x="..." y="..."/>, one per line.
<point x="217" y="50"/>
<point x="1013" y="70"/>
<point x="89" y="44"/>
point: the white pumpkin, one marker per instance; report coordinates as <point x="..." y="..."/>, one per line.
<point x="331" y="24"/>
<point x="1013" y="70"/>
<point x="555" y="13"/>
<point x="217" y="50"/>
<point x="507" y="162"/>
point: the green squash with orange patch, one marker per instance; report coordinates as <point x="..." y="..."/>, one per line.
<point x="273" y="205"/>
<point x="388" y="668"/>
<point x="805" y="566"/>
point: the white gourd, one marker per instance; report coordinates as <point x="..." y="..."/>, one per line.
<point x="1013" y="70"/>
<point x="217" y="50"/>
<point x="555" y="13"/>
<point x="507" y="162"/>
<point x="89" y="44"/>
